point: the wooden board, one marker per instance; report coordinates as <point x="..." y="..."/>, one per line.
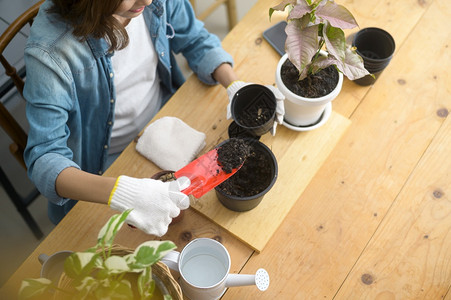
<point x="299" y="156"/>
<point x="414" y="239"/>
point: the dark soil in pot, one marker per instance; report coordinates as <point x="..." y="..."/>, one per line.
<point x="253" y="177"/>
<point x="232" y="154"/>
<point x="255" y="116"/>
<point x="314" y="86"/>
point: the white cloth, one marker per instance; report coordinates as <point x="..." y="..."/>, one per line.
<point x="280" y="98"/>
<point x="170" y="143"/>
<point x="154" y="202"/>
<point x="138" y="94"/>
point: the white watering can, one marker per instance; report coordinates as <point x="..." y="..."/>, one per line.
<point x="204" y="266"/>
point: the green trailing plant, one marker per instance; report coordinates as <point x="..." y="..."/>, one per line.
<point x="314" y="25"/>
<point x="97" y="274"/>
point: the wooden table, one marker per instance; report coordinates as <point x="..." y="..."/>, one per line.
<point x="375" y="221"/>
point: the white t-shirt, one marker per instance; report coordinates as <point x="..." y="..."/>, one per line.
<point x="138" y="95"/>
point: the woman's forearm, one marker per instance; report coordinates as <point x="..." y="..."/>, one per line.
<point x="80" y="185"/>
<point x="225" y="75"/>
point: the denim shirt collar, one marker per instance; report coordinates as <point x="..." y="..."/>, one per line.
<point x="157" y="7"/>
<point x="99" y="47"/>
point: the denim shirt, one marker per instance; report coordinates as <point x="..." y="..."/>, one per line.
<point x="70" y="92"/>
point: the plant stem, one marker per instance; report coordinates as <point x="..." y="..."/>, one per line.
<point x="315" y="57"/>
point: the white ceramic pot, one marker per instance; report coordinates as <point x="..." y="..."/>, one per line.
<point x="301" y="111"/>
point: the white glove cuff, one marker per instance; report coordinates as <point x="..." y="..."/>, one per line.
<point x="234" y="87"/>
<point x="123" y="194"/>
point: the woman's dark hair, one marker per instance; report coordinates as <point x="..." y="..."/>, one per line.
<point x="93" y="18"/>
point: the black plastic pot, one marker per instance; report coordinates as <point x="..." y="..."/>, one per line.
<point x="236" y="131"/>
<point x="241" y="203"/>
<point x="253" y="108"/>
<point x="376" y="46"/>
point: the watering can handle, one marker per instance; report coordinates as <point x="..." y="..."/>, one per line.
<point x="172" y="260"/>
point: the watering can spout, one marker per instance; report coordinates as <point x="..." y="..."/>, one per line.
<point x="260" y="279"/>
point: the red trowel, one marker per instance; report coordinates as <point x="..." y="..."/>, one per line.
<point x="204" y="173"/>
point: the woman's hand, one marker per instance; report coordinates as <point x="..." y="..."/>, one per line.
<point x="155" y="203"/>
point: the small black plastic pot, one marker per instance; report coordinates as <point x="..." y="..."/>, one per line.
<point x="376" y="46"/>
<point x="236" y="131"/>
<point x="253" y="108"/>
<point x="241" y="203"/>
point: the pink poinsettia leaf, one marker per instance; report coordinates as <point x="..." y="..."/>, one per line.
<point x="352" y="66"/>
<point x="299" y="10"/>
<point x="321" y="63"/>
<point x="301" y="44"/>
<point x="335" y="41"/>
<point x="337" y="15"/>
<point x="281" y="6"/>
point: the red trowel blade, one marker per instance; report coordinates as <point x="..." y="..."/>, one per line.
<point x="204" y="173"/>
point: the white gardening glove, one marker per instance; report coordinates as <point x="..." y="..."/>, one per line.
<point x="154" y="202"/>
<point x="231" y="91"/>
<point x="280" y="109"/>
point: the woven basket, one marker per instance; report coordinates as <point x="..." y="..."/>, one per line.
<point x="159" y="270"/>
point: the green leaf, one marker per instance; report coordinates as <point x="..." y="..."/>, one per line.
<point x="34" y="287"/>
<point x="110" y="229"/>
<point x="114" y="290"/>
<point x="146" y="285"/>
<point x="150" y="252"/>
<point x="87" y="287"/>
<point x="81" y="264"/>
<point x="337" y="15"/>
<point x="116" y="265"/>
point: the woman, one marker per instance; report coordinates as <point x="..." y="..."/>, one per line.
<point x="97" y="72"/>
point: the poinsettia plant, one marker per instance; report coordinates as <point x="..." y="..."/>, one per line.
<point x="97" y="274"/>
<point x="315" y="25"/>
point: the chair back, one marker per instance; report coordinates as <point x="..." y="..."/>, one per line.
<point x="230" y="7"/>
<point x="7" y="121"/>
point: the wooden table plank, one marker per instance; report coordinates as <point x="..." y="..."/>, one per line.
<point x="327" y="230"/>
<point x="448" y="295"/>
<point x="410" y="254"/>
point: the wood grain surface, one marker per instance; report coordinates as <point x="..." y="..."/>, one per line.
<point x="374" y="221"/>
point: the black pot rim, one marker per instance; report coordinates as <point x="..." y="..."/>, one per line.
<point x="389" y="37"/>
<point x="260" y="129"/>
